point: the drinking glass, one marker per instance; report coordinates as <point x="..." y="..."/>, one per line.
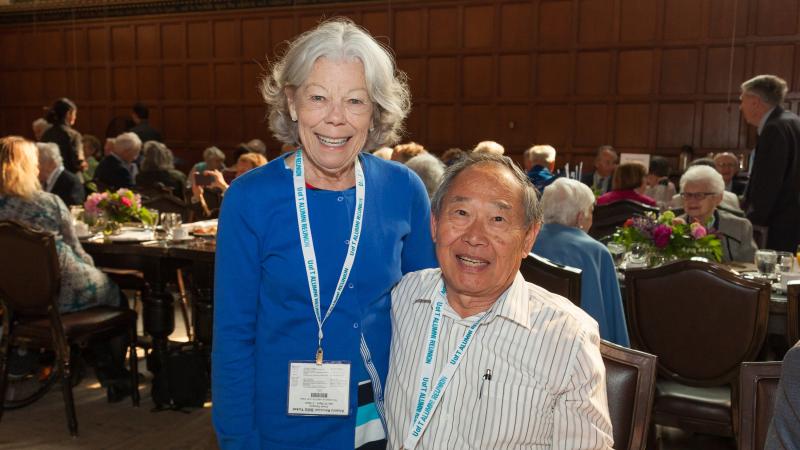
<point x="638" y="254"/>
<point x="798" y="254"/>
<point x="170" y="221"/>
<point x="617" y="251"/>
<point x="76" y="211"/>
<point x="785" y="262"/>
<point x="153" y="222"/>
<point x="766" y="260"/>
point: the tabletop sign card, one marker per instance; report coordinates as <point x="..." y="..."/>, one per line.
<point x="641" y="158"/>
<point x="319" y="389"/>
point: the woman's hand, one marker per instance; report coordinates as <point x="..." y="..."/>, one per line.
<point x="219" y="180"/>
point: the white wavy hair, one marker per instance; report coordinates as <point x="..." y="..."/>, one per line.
<point x="564" y="199"/>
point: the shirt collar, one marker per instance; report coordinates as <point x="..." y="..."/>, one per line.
<point x="764" y="120"/>
<point x="512" y="304"/>
<point x="51" y="180"/>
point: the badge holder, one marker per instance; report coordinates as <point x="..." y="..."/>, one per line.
<point x="319" y="389"/>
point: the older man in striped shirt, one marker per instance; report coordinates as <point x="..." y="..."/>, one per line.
<point x="480" y="358"/>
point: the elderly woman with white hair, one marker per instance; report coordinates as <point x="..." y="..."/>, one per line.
<point x="702" y="188"/>
<point x="309" y="247"/>
<point x="567" y="206"/>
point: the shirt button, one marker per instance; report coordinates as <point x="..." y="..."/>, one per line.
<point x="347" y="242"/>
<point x="350" y="286"/>
<point x="340" y="198"/>
<point x="355" y="324"/>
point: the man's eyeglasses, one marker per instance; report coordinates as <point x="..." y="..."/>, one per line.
<point x="696" y="195"/>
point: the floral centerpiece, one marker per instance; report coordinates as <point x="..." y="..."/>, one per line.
<point x="116" y="208"/>
<point x="669" y="237"/>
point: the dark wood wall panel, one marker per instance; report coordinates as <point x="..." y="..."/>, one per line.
<point x="642" y="75"/>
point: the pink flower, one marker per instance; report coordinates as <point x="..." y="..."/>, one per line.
<point x="126" y="201"/>
<point x="92" y="203"/>
<point x="698" y="231"/>
<point x="661" y="235"/>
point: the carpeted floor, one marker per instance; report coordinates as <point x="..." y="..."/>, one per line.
<point x="103" y="425"/>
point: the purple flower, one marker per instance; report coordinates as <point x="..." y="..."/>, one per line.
<point x="661" y="235"/>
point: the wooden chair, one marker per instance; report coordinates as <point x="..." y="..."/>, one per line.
<point x="793" y="312"/>
<point x="606" y="218"/>
<point x="630" y="384"/>
<point x="702" y="321"/>
<point x="556" y="278"/>
<point x="30" y="279"/>
<point x="166" y="202"/>
<point x="758" y="382"/>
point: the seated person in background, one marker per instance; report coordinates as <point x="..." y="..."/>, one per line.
<point x="39" y="126"/>
<point x="451" y="155"/>
<point x="730" y="201"/>
<point x="251" y="146"/>
<point x="82" y="285"/>
<point x="567" y="212"/>
<point x="404" y="152"/>
<point x="140" y="114"/>
<point x="524" y="364"/>
<point x="384" y="153"/>
<point x="659" y="188"/>
<point x="429" y="169"/>
<point x="727" y="164"/>
<point x="628" y="183"/>
<point x="539" y="162"/>
<point x="784" y="430"/>
<point x="246" y="162"/>
<point x="701" y="190"/>
<point x="489" y="147"/>
<point x="158" y="166"/>
<point x="53" y="178"/>
<point x="117" y="169"/>
<point x="93" y="152"/>
<point x="213" y="159"/>
<point x="605" y="161"/>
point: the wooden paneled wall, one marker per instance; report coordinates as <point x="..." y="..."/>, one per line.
<point x="642" y="75"/>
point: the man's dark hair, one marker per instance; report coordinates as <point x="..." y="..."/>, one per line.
<point x="141" y="110"/>
<point x="659" y="166"/>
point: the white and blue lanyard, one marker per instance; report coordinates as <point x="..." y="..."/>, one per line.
<point x="307" y="243"/>
<point x="426" y="405"/>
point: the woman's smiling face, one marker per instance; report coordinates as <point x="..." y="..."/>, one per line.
<point x="334" y="112"/>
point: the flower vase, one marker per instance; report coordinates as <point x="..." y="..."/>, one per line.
<point x="112" y="228"/>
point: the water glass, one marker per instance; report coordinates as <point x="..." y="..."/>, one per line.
<point x="638" y="254"/>
<point x="76" y="211"/>
<point x="766" y="260"/>
<point x="169" y="222"/>
<point x="617" y="251"/>
<point x="153" y="222"/>
<point x="785" y="262"/>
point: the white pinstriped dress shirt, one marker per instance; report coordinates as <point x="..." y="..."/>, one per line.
<point x="547" y="389"/>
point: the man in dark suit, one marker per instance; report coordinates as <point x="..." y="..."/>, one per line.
<point x="772" y="197"/>
<point x="604" y="164"/>
<point x="55" y="178"/>
<point x="784" y="431"/>
<point x="140" y="115"/>
<point x="117" y="170"/>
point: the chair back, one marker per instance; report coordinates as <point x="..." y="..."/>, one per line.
<point x="758" y="382"/>
<point x="166" y="202"/>
<point x="606" y="218"/>
<point x="630" y="385"/>
<point x="556" y="278"/>
<point x="793" y="312"/>
<point x="30" y="276"/>
<point x="701" y="319"/>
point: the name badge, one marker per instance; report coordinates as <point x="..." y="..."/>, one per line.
<point x="319" y="389"/>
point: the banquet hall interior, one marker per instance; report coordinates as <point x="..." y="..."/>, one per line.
<point x="652" y="83"/>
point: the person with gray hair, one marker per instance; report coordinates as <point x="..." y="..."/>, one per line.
<point x="117" y="169"/>
<point x="158" y="167"/>
<point x="727" y="164"/>
<point x="492" y="147"/>
<point x="39" y="126"/>
<point x="512" y="357"/>
<point x="771" y="196"/>
<point x="605" y="162"/>
<point x="429" y="169"/>
<point x="335" y="92"/>
<point x="539" y="162"/>
<point x="55" y="179"/>
<point x="568" y="206"/>
<point x="701" y="189"/>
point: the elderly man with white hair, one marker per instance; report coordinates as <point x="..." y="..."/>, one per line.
<point x="117" y="170"/>
<point x="701" y="190"/>
<point x="492" y="147"/>
<point x="539" y="162"/>
<point x="567" y="208"/>
<point x="727" y="164"/>
<point x="55" y="179"/>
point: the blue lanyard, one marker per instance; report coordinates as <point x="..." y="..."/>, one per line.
<point x="307" y="242"/>
<point x="426" y="405"/>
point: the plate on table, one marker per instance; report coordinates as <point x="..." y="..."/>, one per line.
<point x="134" y="235"/>
<point x="209" y="231"/>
